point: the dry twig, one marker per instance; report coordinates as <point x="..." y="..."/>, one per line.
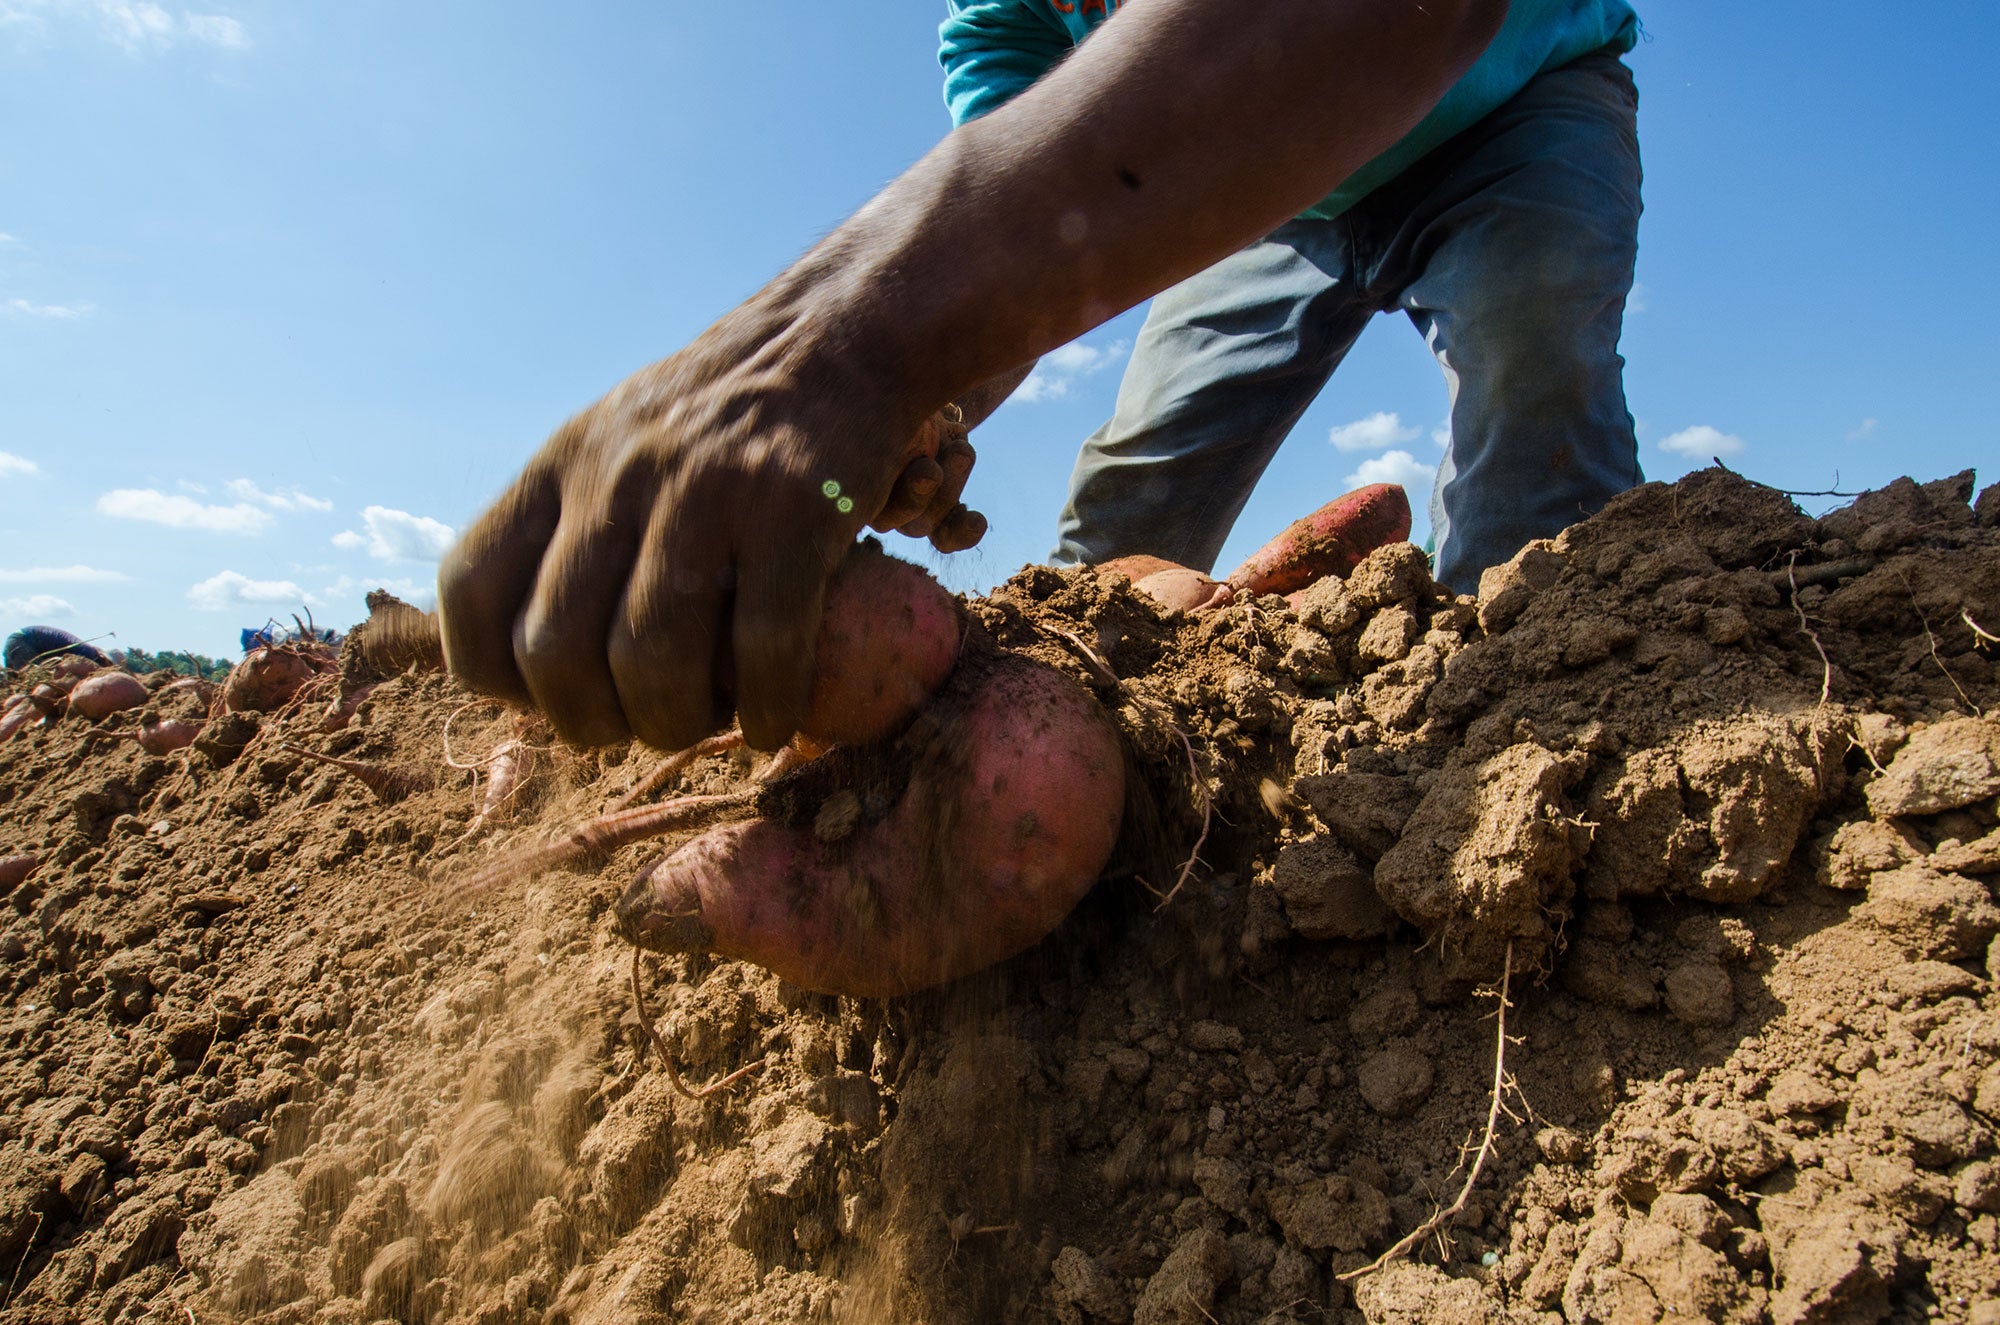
<point x="1503" y="1084"/>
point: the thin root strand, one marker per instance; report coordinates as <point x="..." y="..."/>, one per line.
<point x="1503" y="1083"/>
<point x="666" y="1057"/>
<point x="608" y="832"/>
<point x="674" y="763"/>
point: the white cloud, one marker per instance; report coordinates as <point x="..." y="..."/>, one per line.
<point x="417" y="593"/>
<point x="1061" y="368"/>
<point x="78" y="574"/>
<point x="227" y="589"/>
<point x="59" y="312"/>
<point x="1395" y="467"/>
<point x="16" y="464"/>
<point x="136" y="25"/>
<point x="1636" y="301"/>
<point x="177" y="512"/>
<point x="1863" y="429"/>
<point x="36" y="606"/>
<point x="394" y="535"/>
<point x="289" y="500"/>
<point x="216" y="30"/>
<point x="1702" y="442"/>
<point x="1380" y="429"/>
<point x="1441" y="435"/>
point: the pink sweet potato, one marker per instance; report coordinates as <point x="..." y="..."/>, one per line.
<point x="18" y="715"/>
<point x="1171" y="585"/>
<point x="157" y="736"/>
<point x="106" y="692"/>
<point x="888" y="637"/>
<point x="1330" y="541"/>
<point x="51" y="698"/>
<point x="268" y="677"/>
<point x="1015" y="789"/>
<point x="14" y="871"/>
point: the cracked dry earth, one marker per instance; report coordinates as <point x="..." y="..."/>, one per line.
<point x="1716" y="784"/>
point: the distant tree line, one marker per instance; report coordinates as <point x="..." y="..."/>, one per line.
<point x="176" y="660"/>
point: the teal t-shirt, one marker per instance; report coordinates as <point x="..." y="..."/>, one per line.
<point x="993" y="49"/>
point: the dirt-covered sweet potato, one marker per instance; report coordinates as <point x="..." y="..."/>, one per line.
<point x="160" y="736"/>
<point x="106" y="692"/>
<point x="1014" y="785"/>
<point x="1330" y="541"/>
<point x="268" y="677"/>
<point x="1171" y="585"/>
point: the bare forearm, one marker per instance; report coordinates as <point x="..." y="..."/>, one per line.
<point x="1182" y="130"/>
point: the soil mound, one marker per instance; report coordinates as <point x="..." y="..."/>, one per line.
<point x="1715" y="786"/>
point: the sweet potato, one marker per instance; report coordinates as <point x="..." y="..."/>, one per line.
<point x="51" y="698"/>
<point x="1015" y="788"/>
<point x="14" y="871"/>
<point x="1330" y="541"/>
<point x="268" y="677"/>
<point x="888" y="637"/>
<point x="106" y="692"/>
<point x="73" y="666"/>
<point x="19" y="713"/>
<point x="157" y="736"/>
<point x="1171" y="585"/>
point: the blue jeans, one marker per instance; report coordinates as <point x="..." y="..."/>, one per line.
<point x="1511" y="249"/>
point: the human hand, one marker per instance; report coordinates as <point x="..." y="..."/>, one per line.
<point x="661" y="561"/>
<point x="925" y="502"/>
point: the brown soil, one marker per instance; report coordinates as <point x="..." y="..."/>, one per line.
<point x="1711" y="778"/>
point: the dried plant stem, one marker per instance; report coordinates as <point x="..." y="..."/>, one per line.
<point x="1496" y="1105"/>
<point x="1977" y="631"/>
<point x="667" y="1058"/>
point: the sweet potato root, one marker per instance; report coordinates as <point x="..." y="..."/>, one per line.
<point x="389" y="784"/>
<point x="1015" y="788"/>
<point x="1330" y="541"/>
<point x="106" y="692"/>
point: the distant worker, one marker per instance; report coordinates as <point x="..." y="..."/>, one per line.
<point x="32" y="643"/>
<point x="1282" y="171"/>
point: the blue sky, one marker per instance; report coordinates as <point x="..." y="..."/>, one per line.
<point x="288" y="292"/>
